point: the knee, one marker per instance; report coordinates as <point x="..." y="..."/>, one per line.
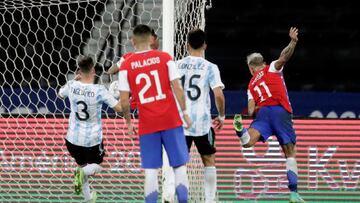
<point x="251" y="143"/>
<point x="208" y="160"/>
<point x="248" y="145"/>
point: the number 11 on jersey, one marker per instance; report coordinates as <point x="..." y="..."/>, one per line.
<point x="267" y="90"/>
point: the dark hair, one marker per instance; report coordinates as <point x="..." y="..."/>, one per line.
<point x="142" y="30"/>
<point x="196" y="38"/>
<point x="154" y="34"/>
<point x="85" y="63"/>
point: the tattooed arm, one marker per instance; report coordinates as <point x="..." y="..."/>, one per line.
<point x="287" y="52"/>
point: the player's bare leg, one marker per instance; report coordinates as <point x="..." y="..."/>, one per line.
<point x="292" y="172"/>
<point x="210" y="178"/>
<point x="248" y="137"/>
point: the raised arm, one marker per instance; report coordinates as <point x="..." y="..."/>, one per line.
<point x="288" y="51"/>
<point x="115" y="67"/>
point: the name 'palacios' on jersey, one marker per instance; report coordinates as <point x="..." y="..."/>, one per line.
<point x="145" y="62"/>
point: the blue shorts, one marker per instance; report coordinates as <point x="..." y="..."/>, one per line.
<point x="275" y="120"/>
<point x="174" y="144"/>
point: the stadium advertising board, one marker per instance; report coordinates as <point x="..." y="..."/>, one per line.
<point x="305" y="104"/>
<point x="35" y="164"/>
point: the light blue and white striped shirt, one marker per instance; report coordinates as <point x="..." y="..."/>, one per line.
<point x="85" y="118"/>
<point x="198" y="76"/>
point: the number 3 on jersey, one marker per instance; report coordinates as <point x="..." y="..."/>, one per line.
<point x="143" y="76"/>
<point x="82" y="108"/>
<point x="266" y="88"/>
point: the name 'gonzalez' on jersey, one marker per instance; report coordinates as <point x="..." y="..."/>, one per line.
<point x="148" y="76"/>
<point x="267" y="88"/>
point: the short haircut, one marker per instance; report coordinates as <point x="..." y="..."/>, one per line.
<point x="154" y="34"/>
<point x="196" y="38"/>
<point x="255" y="59"/>
<point x="85" y="63"/>
<point x="142" y="30"/>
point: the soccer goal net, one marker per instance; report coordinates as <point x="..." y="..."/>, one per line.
<point x="40" y="42"/>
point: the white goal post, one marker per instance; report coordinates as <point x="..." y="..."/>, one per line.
<point x="40" y="42"/>
<point x="177" y="21"/>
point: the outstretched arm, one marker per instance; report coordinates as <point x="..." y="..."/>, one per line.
<point x="113" y="69"/>
<point x="288" y="51"/>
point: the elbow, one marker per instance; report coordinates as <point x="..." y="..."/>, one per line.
<point x="282" y="60"/>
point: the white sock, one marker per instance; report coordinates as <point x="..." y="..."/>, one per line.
<point x="86" y="189"/>
<point x="181" y="183"/>
<point x="245" y="137"/>
<point x="151" y="190"/>
<point x="292" y="173"/>
<point x="168" y="184"/>
<point x="210" y="183"/>
<point x="291" y="165"/>
<point x="91" y="169"/>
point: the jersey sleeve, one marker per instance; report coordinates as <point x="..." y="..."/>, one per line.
<point x="173" y="71"/>
<point x="272" y="68"/>
<point x="107" y="98"/>
<point x="250" y="96"/>
<point x="123" y="81"/>
<point x="118" y="64"/>
<point x="214" y="78"/>
<point x="64" y="90"/>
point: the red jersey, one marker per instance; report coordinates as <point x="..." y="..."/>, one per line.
<point x="267" y="88"/>
<point x="147" y="75"/>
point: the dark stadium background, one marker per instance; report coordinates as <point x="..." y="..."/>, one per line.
<point x="327" y="54"/>
<point x="322" y="79"/>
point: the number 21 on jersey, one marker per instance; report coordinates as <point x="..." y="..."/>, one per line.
<point x="143" y="76"/>
<point x="266" y="88"/>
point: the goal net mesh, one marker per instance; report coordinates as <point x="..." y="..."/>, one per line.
<point x="40" y="42"/>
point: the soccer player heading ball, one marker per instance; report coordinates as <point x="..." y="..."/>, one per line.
<point x="267" y="97"/>
<point x="152" y="77"/>
<point x="84" y="135"/>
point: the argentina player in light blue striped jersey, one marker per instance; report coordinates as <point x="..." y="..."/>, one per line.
<point x="84" y="135"/>
<point x="198" y="77"/>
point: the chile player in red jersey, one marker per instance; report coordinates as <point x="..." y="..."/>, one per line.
<point x="267" y="96"/>
<point x="152" y="76"/>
